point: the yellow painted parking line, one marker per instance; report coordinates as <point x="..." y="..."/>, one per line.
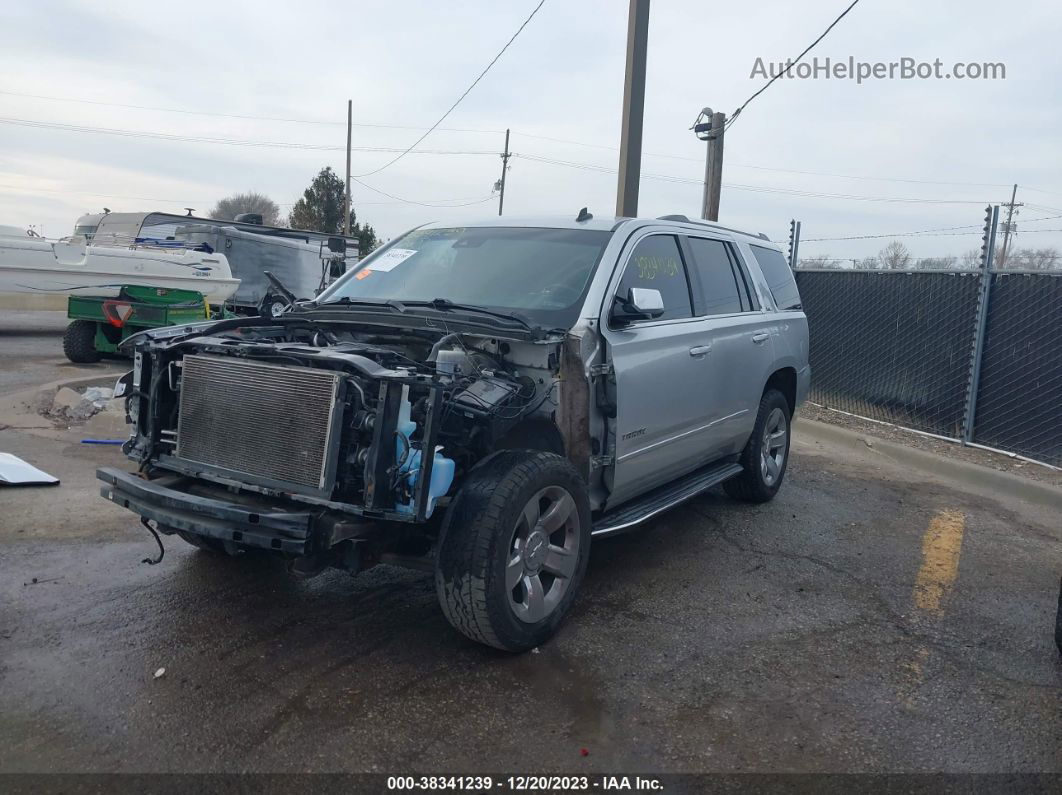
<point x="941" y="547"/>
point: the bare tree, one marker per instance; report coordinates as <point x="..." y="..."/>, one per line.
<point x="895" y="256"/>
<point x="1034" y="259"/>
<point x="971" y="260"/>
<point x="819" y="261"/>
<point x="866" y="264"/>
<point x="231" y="206"/>
<point x="937" y="263"/>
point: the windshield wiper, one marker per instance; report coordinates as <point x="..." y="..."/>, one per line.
<point x="348" y="301"/>
<point x="446" y="305"/>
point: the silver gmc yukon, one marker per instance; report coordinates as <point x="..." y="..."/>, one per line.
<point x="478" y="401"/>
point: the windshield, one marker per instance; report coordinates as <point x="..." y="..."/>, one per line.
<point x="542" y="274"/>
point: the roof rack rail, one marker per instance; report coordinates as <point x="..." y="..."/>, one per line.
<point x="701" y="222"/>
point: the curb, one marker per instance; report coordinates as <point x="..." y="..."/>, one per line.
<point x="975" y="475"/>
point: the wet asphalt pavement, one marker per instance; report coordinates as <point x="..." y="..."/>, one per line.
<point x="31" y="351"/>
<point x="872" y="618"/>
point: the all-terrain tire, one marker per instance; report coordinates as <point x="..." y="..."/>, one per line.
<point x="79" y="342"/>
<point x="474" y="547"/>
<point x="752" y="485"/>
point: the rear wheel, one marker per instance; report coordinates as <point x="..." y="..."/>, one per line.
<point x="79" y="342"/>
<point x="513" y="549"/>
<point x="766" y="453"/>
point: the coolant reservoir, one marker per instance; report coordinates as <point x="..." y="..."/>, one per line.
<point x="442" y="468"/>
<point x="442" y="475"/>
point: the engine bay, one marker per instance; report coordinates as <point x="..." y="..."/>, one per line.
<point x="374" y="421"/>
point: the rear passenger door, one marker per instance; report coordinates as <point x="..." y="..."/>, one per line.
<point x="740" y="337"/>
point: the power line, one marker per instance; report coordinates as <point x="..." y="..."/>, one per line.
<point x="213" y="114"/>
<point x="439" y="203"/>
<point x="736" y="113"/>
<point x="938" y="232"/>
<point x="737" y="186"/>
<point x="972" y="227"/>
<point x="1041" y="190"/>
<point x="28" y="191"/>
<point x="420" y="203"/>
<point x="46" y="125"/>
<point x="501" y="52"/>
<point x="194" y="139"/>
<point x="768" y="168"/>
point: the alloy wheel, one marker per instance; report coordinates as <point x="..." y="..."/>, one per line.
<point x="543" y="554"/>
<point x="774" y="447"/>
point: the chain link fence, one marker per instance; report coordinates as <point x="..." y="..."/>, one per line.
<point x="900" y="347"/>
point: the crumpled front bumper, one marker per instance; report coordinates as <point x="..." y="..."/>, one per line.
<point x="289" y="532"/>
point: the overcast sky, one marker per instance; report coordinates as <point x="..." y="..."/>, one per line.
<point x="404" y="63"/>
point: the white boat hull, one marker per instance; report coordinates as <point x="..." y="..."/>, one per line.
<point x="38" y="266"/>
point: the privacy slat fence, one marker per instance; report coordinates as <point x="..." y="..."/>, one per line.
<point x="900" y="347"/>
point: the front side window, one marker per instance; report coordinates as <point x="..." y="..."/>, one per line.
<point x="719" y="285"/>
<point x="779" y="277"/>
<point x="656" y="264"/>
<point x="541" y="273"/>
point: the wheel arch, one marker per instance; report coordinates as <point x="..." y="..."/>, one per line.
<point x="784" y="379"/>
<point x="533" y="433"/>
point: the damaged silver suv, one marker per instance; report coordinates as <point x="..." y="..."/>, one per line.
<point x="479" y="401"/>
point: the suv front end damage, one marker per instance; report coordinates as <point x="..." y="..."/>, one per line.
<point x="332" y="442"/>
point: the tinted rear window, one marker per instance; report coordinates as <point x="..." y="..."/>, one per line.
<point x="779" y="277"/>
<point x="718" y="285"/>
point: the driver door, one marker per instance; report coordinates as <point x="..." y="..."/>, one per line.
<point x="660" y="372"/>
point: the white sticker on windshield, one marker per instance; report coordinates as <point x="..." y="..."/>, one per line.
<point x="390" y="258"/>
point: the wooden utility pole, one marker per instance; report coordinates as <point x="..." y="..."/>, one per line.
<point x="346" y="195"/>
<point x="1008" y="227"/>
<point x="630" y="162"/>
<point x="505" y="167"/>
<point x="713" y="169"/>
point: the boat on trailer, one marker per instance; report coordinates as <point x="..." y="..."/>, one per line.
<point x="77" y="266"/>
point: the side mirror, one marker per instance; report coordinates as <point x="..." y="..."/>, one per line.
<point x="641" y="303"/>
<point x="337" y="245"/>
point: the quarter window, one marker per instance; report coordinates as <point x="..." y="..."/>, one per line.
<point x="656" y="264"/>
<point x="779" y="277"/>
<point x="719" y="287"/>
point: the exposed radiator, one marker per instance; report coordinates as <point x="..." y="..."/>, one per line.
<point x="270" y="421"/>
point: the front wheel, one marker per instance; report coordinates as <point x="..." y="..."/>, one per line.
<point x="766" y="453"/>
<point x="513" y="549"/>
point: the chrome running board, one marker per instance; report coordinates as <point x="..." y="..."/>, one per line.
<point x="662" y="498"/>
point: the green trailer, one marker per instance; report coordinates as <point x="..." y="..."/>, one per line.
<point x="100" y="325"/>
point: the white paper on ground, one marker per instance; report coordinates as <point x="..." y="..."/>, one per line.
<point x="390" y="258"/>
<point x="16" y="472"/>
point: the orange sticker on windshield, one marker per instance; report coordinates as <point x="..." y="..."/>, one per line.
<point x="363" y="274"/>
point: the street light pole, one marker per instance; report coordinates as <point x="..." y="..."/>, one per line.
<point x="630" y="162"/>
<point x="346" y="194"/>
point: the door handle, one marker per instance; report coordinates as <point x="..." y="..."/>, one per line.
<point x="700" y="350"/>
<point x="763" y="336"/>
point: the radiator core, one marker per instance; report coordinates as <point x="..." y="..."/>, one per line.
<point x="273" y="422"/>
